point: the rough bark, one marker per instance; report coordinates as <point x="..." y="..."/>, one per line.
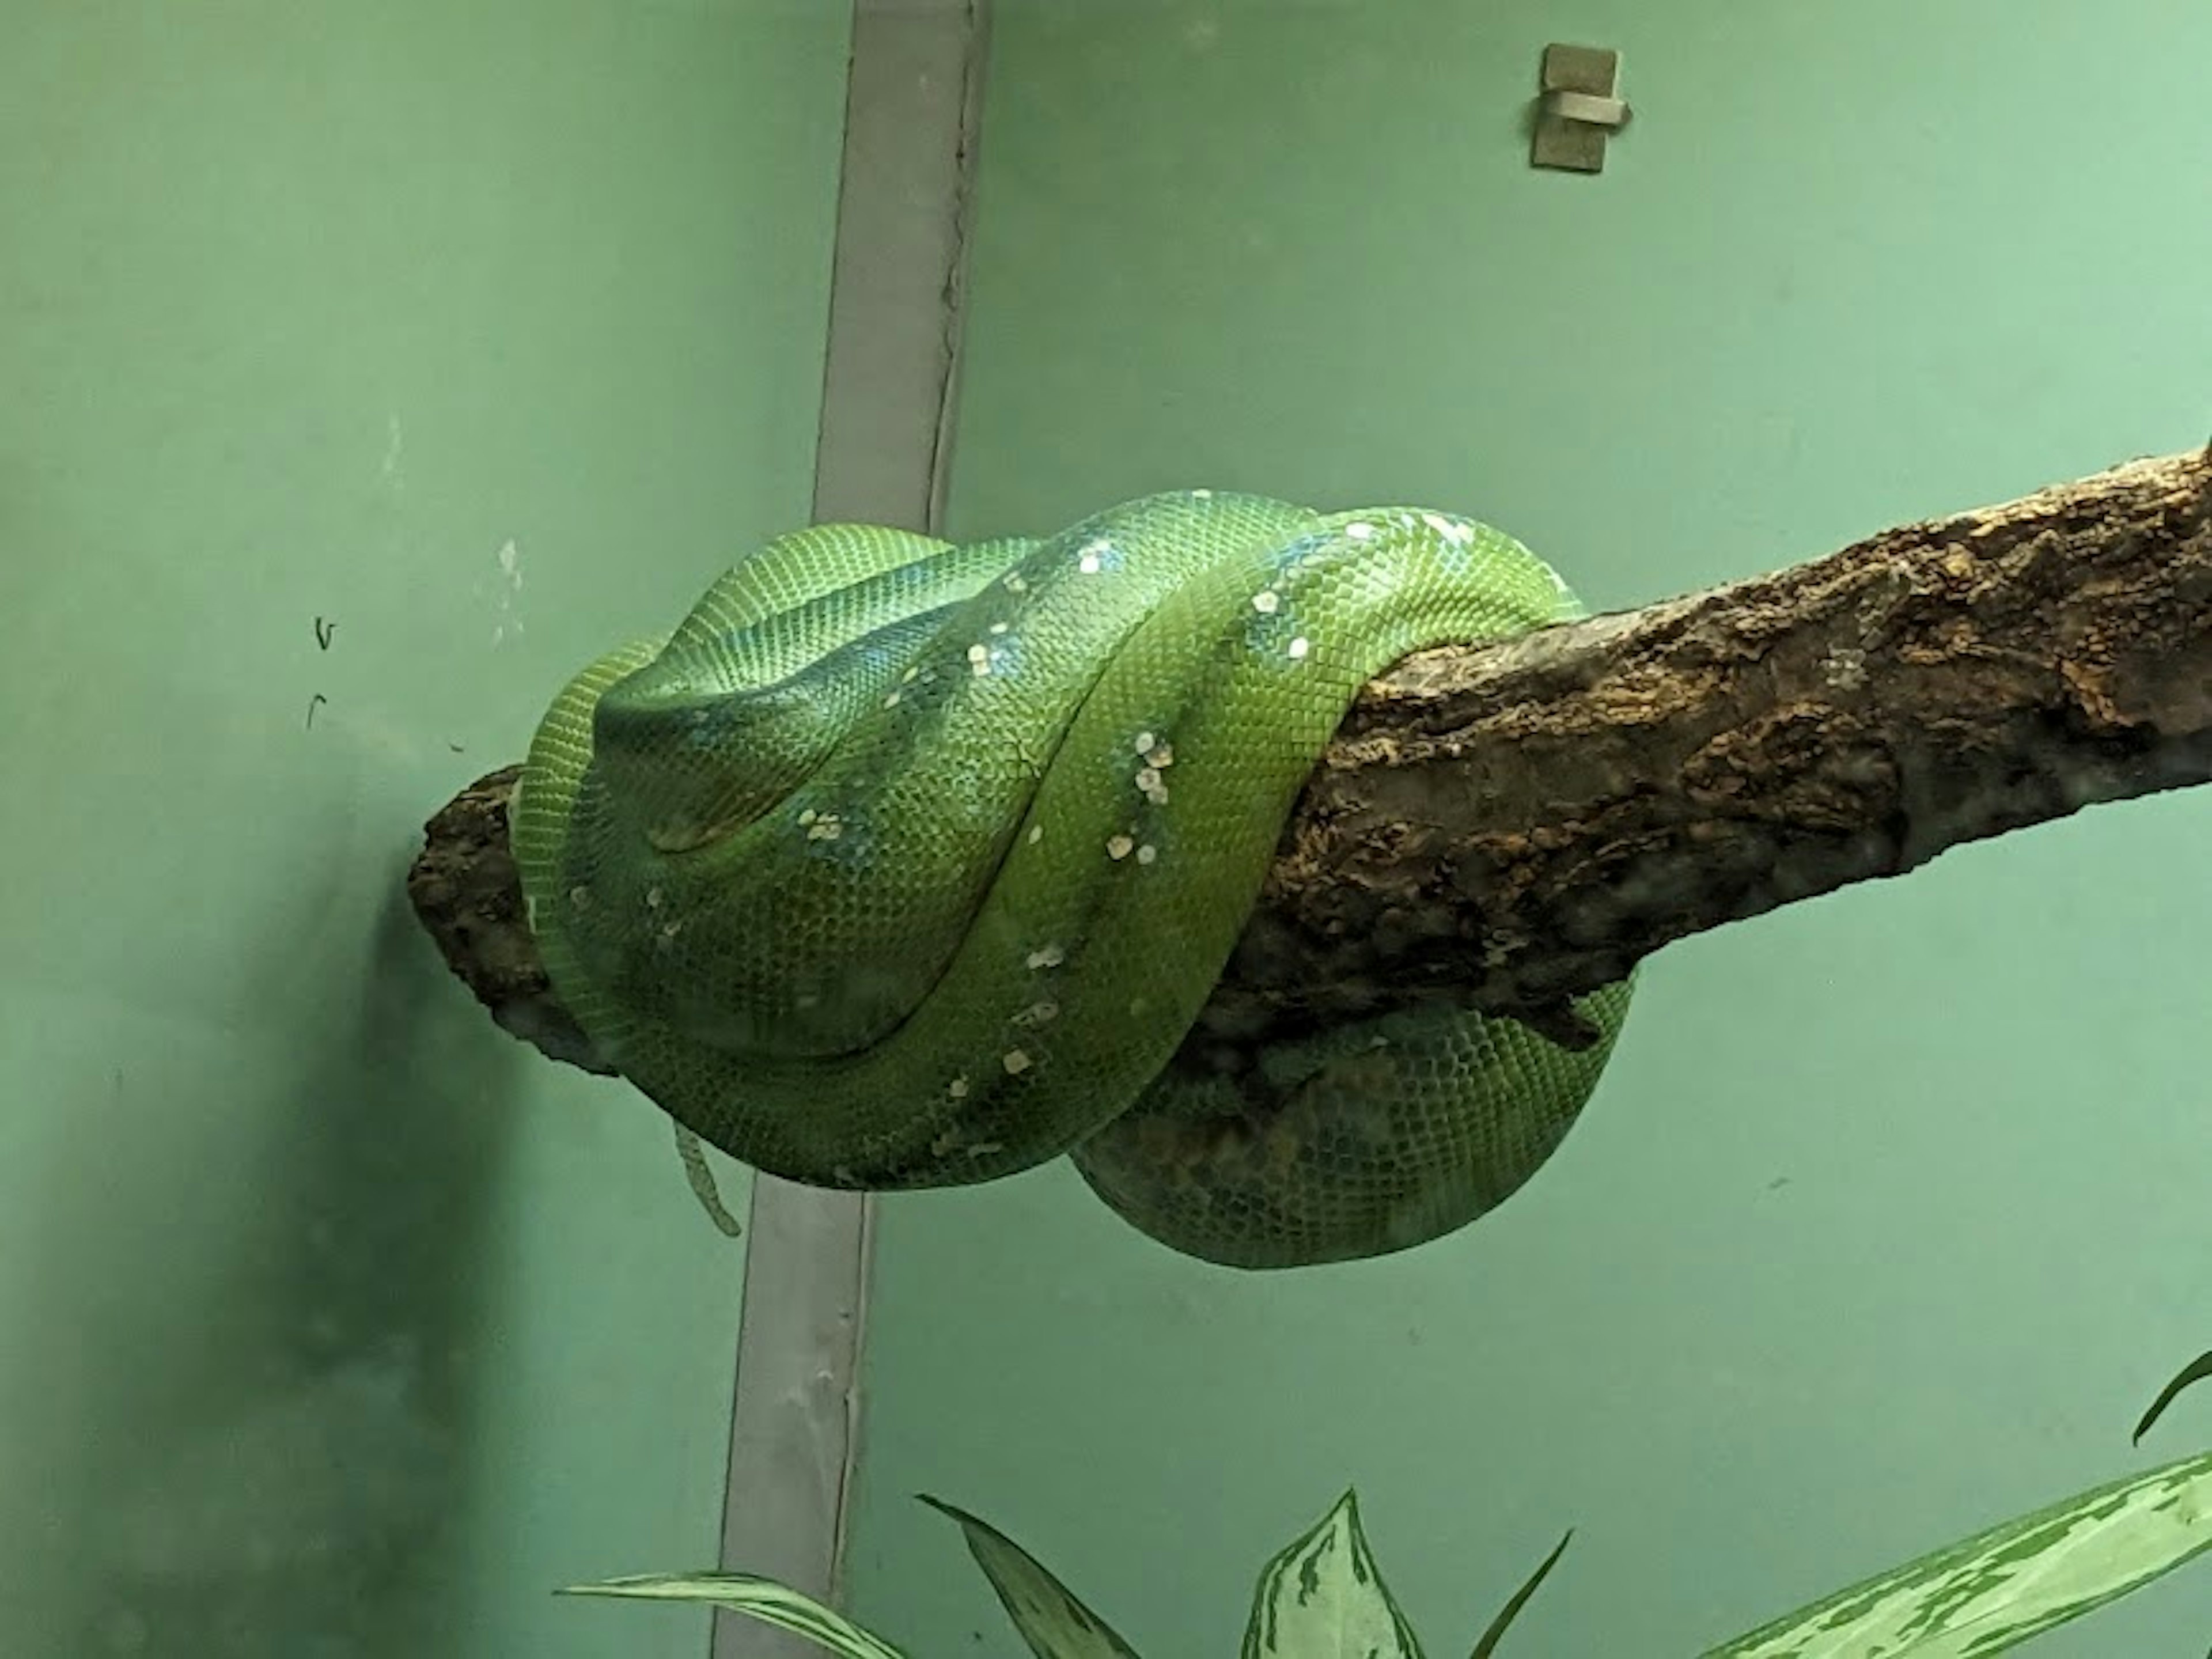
<point x="1516" y="823"/>
<point x="468" y="896"/>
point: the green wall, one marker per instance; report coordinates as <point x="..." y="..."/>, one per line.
<point x="1890" y="1215"/>
<point x="337" y="1323"/>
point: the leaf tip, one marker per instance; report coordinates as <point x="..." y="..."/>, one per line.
<point x="2196" y="1371"/>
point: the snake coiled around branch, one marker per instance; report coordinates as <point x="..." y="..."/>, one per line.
<point x="905" y="864"/>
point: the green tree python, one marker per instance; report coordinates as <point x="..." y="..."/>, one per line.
<point x="904" y="864"/>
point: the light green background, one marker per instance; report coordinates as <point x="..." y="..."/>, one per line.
<point x="337" y="1325"/>
<point x="1891" y="1214"/>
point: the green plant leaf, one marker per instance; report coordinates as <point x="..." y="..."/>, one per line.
<point x="757" y="1598"/>
<point x="2198" y="1370"/>
<point x="1991" y="1592"/>
<point x="1054" y="1623"/>
<point x="1323" y="1598"/>
<point x="1487" y="1644"/>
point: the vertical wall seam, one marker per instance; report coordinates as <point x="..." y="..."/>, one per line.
<point x="915" y="76"/>
<point x="864" y="1252"/>
<point x="822" y="403"/>
<point x="974" y="68"/>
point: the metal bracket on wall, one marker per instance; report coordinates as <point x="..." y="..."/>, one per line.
<point x="1578" y="110"/>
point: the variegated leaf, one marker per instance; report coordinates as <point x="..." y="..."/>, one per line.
<point x="1995" y="1590"/>
<point x="1054" y="1623"/>
<point x="757" y="1598"/>
<point x="1323" y="1598"/>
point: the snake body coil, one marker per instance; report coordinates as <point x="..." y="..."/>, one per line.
<point x="902" y="864"/>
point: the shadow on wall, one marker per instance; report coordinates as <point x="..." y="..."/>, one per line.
<point x="278" y="1469"/>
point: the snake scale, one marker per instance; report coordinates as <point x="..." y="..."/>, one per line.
<point x="904" y="864"/>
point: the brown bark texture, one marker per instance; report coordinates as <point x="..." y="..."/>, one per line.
<point x="1513" y="824"/>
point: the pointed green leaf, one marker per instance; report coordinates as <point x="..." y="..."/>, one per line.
<point x="1054" y="1623"/>
<point x="2198" y="1370"/>
<point x="1487" y="1644"/>
<point x="757" y="1598"/>
<point x="1993" y="1591"/>
<point x="1323" y="1598"/>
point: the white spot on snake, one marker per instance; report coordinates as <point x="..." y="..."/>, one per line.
<point x="1266" y="601"/>
<point x="580" y="898"/>
<point x="1014" y="583"/>
<point x="806" y="817"/>
<point x="1036" y="1014"/>
<point x="1015" y="1061"/>
<point x="1163" y="756"/>
<point x="828" y="826"/>
<point x="958" y="1088"/>
<point x="1046" y="955"/>
<point x="1037" y="834"/>
<point x="979" y="660"/>
<point x="652" y="896"/>
<point x="1201" y="494"/>
<point x="987" y="1148"/>
<point x="998" y="628"/>
<point x="1119" y="846"/>
<point x="1147" y="853"/>
<point x="906" y="678"/>
<point x="1148" y="779"/>
<point x="1088" y="563"/>
<point x="890" y="700"/>
<point x="1299" y="646"/>
<point x="1359" y="530"/>
<point x="1145" y="740"/>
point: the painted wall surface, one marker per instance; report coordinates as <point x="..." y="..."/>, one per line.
<point x="336" y="1322"/>
<point x="1890" y="1215"/>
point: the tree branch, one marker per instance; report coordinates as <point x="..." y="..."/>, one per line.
<point x="1515" y="824"/>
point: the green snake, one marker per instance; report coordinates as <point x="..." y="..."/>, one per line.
<point x="906" y="864"/>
